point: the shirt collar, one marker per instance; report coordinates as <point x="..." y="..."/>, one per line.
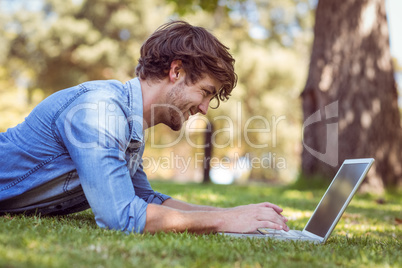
<point x="136" y="106"/>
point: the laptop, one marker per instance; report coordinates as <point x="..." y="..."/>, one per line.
<point x="330" y="209"/>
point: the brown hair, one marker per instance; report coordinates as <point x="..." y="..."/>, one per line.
<point x="200" y="52"/>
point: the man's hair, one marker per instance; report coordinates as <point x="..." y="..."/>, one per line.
<point x="200" y="52"/>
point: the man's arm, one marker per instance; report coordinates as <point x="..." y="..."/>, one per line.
<point x="97" y="148"/>
<point x="177" y="204"/>
<point x="178" y="216"/>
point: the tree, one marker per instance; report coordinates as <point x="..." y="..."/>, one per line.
<point x="60" y="43"/>
<point x="351" y="73"/>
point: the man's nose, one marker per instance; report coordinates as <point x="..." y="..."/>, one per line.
<point x="203" y="107"/>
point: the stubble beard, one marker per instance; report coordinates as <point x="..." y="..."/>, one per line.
<point x="175" y="100"/>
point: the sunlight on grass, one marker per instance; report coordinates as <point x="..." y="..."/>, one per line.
<point x="293" y="214"/>
<point x="204" y="197"/>
<point x="367" y="235"/>
<point x="369" y="205"/>
<point x="294" y="194"/>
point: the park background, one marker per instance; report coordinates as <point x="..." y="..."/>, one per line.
<point x="48" y="45"/>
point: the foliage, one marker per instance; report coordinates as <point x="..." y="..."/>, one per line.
<point x="368" y="235"/>
<point x="185" y="6"/>
<point x="66" y="42"/>
<point x="13" y="101"/>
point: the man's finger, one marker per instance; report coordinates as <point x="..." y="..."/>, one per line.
<point x="269" y="214"/>
<point x="273" y="225"/>
<point x="273" y="206"/>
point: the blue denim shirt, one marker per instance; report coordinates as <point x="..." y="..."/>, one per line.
<point x="81" y="147"/>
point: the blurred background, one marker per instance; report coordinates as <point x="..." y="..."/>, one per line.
<point x="49" y="45"/>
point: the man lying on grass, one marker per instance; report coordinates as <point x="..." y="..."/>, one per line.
<point x="82" y="147"/>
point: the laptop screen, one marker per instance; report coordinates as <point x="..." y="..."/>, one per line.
<point x="334" y="199"/>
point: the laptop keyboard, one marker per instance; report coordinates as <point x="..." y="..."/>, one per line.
<point x="282" y="233"/>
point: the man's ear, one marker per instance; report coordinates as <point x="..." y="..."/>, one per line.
<point x="176" y="71"/>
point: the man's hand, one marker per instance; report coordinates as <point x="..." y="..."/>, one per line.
<point x="249" y="218"/>
<point x="178" y="216"/>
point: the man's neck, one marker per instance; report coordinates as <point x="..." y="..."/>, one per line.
<point x="153" y="94"/>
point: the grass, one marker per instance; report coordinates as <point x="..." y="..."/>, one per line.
<point x="368" y="235"/>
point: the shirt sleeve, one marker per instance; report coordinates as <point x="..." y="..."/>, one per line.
<point x="95" y="132"/>
<point x="144" y="190"/>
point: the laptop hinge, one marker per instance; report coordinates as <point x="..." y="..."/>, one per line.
<point x="314" y="236"/>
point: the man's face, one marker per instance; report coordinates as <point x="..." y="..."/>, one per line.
<point x="186" y="100"/>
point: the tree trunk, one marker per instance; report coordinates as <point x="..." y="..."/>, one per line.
<point x="351" y="85"/>
<point x="208" y="152"/>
